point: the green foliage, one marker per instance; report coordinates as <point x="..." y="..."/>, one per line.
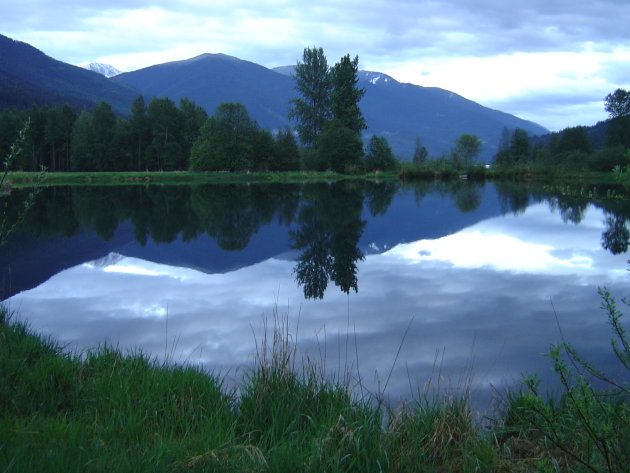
<point x="106" y="411"/>
<point x="379" y="155"/>
<point x="226" y="141"/>
<point x="339" y="147"/>
<point x="327" y="111"/>
<point x="13" y="215"/>
<point x="313" y="84"/>
<point x="346" y="95"/>
<point x="518" y="150"/>
<point x="587" y="428"/>
<point x="467" y="147"/>
<point x="288" y="153"/>
<point x="617" y="104"/>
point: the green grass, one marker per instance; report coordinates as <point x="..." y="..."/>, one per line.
<point x="25" y="179"/>
<point x="108" y="411"/>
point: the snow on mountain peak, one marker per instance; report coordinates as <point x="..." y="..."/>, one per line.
<point x="375" y="77"/>
<point x="103" y="69"/>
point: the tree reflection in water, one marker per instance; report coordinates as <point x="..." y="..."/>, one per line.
<point x="325" y="222"/>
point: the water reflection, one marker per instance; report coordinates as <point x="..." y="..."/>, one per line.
<point x="322" y="224"/>
<point x="329" y="227"/>
<point x="478" y="295"/>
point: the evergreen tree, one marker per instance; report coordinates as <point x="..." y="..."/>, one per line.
<point x="313" y="83"/>
<point x="346" y="95"/>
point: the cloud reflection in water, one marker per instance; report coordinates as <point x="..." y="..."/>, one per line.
<point x="479" y="296"/>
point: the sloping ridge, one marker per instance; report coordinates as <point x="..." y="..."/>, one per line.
<point x="213" y="79"/>
<point x="30" y="77"/>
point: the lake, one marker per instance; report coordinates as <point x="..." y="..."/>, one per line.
<point x="463" y="284"/>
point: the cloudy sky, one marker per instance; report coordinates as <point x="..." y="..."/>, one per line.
<point x="550" y="61"/>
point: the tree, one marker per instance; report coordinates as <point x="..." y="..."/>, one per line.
<point x="103" y="126"/>
<point x="287" y="152"/>
<point x="420" y="153"/>
<point x="139" y="130"/>
<point x="617" y="104"/>
<point x="339" y="147"/>
<point x="518" y="151"/>
<point x="82" y="155"/>
<point x="346" y="95"/>
<point x="192" y="117"/>
<point x="467" y="147"/>
<point x="164" y="152"/>
<point x="313" y="109"/>
<point x="574" y="139"/>
<point x="226" y="141"/>
<point x="379" y="155"/>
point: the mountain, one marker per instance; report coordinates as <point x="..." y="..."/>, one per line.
<point x="30" y="77"/>
<point x="400" y="112"/>
<point x="213" y="79"/>
<point x="102" y="69"/>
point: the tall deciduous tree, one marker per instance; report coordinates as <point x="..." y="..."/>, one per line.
<point x="467" y="147"/>
<point x="346" y="95"/>
<point x="617" y="104"/>
<point x="313" y="108"/>
<point x="226" y="140"/>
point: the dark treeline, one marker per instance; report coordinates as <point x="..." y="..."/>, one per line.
<point x="598" y="148"/>
<point x="160" y="136"/>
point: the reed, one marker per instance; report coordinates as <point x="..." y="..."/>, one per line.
<point x="104" y="410"/>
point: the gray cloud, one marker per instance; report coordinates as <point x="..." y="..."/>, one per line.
<point x="385" y="35"/>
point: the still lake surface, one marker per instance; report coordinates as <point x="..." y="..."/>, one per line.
<point x="459" y="283"/>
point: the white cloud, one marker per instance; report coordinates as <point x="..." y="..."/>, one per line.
<point x="497" y="53"/>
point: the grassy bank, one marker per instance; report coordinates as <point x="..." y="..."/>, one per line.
<point x="24" y="179"/>
<point x="407" y="171"/>
<point x="108" y="411"/>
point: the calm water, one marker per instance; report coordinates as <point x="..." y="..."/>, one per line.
<point x="471" y="274"/>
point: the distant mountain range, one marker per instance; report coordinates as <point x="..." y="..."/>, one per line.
<point x="400" y="112"/>
<point x="29" y="77"/>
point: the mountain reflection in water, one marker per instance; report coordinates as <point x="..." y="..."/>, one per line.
<point x="190" y="272"/>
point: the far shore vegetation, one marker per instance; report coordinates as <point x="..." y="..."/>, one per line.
<point x="181" y="142"/>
